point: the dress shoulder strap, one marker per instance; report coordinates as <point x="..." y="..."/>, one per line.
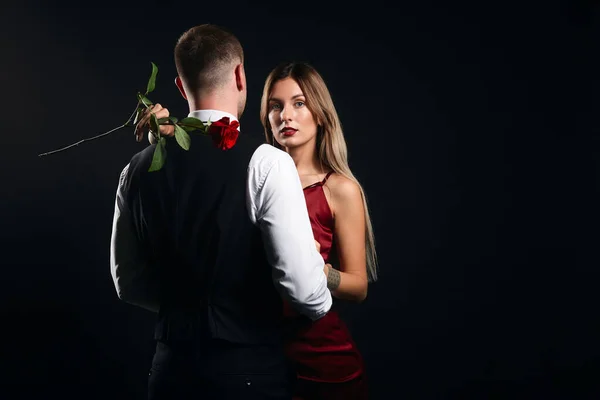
<point x="326" y="177"/>
<point x="321" y="183"/>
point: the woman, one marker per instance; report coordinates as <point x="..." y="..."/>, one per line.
<point x="299" y="117"/>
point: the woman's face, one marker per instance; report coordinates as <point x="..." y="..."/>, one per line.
<point x="291" y="121"/>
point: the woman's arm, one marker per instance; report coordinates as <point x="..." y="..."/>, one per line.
<point x="350" y="282"/>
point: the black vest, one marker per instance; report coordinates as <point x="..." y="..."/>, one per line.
<point x="192" y="221"/>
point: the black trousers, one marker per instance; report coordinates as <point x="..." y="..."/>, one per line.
<point x="219" y="370"/>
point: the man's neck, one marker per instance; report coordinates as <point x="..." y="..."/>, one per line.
<point x="213" y="103"/>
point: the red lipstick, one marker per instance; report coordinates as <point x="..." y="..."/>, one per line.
<point x="288" y="131"/>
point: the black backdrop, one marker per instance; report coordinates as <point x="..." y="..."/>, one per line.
<point x="466" y="123"/>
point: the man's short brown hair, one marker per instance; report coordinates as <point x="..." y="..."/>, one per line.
<point x="204" y="54"/>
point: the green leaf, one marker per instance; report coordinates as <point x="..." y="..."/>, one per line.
<point x="159" y="156"/>
<point x="191" y="122"/>
<point x="145" y="101"/>
<point x="182" y="137"/>
<point x="173" y="119"/>
<point x="154" y="125"/>
<point x="152" y="80"/>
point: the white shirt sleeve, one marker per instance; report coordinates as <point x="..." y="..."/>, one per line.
<point x="131" y="276"/>
<point x="277" y="205"/>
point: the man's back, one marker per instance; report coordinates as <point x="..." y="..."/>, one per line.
<point x="204" y="251"/>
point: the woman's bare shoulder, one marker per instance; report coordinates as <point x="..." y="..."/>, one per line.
<point x="343" y="188"/>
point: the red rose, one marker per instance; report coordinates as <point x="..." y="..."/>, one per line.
<point x="223" y="133"/>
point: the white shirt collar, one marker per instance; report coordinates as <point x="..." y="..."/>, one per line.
<point x="212" y="115"/>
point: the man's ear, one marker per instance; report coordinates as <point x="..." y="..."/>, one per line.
<point x="179" y="85"/>
<point x="240" y="77"/>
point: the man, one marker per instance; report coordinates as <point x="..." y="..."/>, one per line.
<point x="213" y="239"/>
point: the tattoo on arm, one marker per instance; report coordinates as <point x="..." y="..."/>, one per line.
<point x="333" y="278"/>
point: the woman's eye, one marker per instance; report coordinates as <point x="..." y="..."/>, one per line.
<point x="299" y="103"/>
<point x="274" y="106"/>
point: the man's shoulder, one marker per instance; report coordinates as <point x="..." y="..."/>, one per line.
<point x="142" y="156"/>
<point x="137" y="164"/>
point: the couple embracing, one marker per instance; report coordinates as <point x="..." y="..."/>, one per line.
<point x="241" y="248"/>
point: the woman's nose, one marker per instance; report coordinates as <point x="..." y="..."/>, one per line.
<point x="286" y="114"/>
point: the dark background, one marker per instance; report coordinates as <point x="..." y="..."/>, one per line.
<point x="467" y="125"/>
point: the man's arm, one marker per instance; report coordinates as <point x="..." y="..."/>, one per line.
<point x="277" y="205"/>
<point x="131" y="276"/>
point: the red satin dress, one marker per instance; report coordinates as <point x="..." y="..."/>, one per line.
<point x="328" y="363"/>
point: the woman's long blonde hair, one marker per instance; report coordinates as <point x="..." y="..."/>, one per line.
<point x="331" y="145"/>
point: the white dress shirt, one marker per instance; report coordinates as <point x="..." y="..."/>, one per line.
<point x="275" y="203"/>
